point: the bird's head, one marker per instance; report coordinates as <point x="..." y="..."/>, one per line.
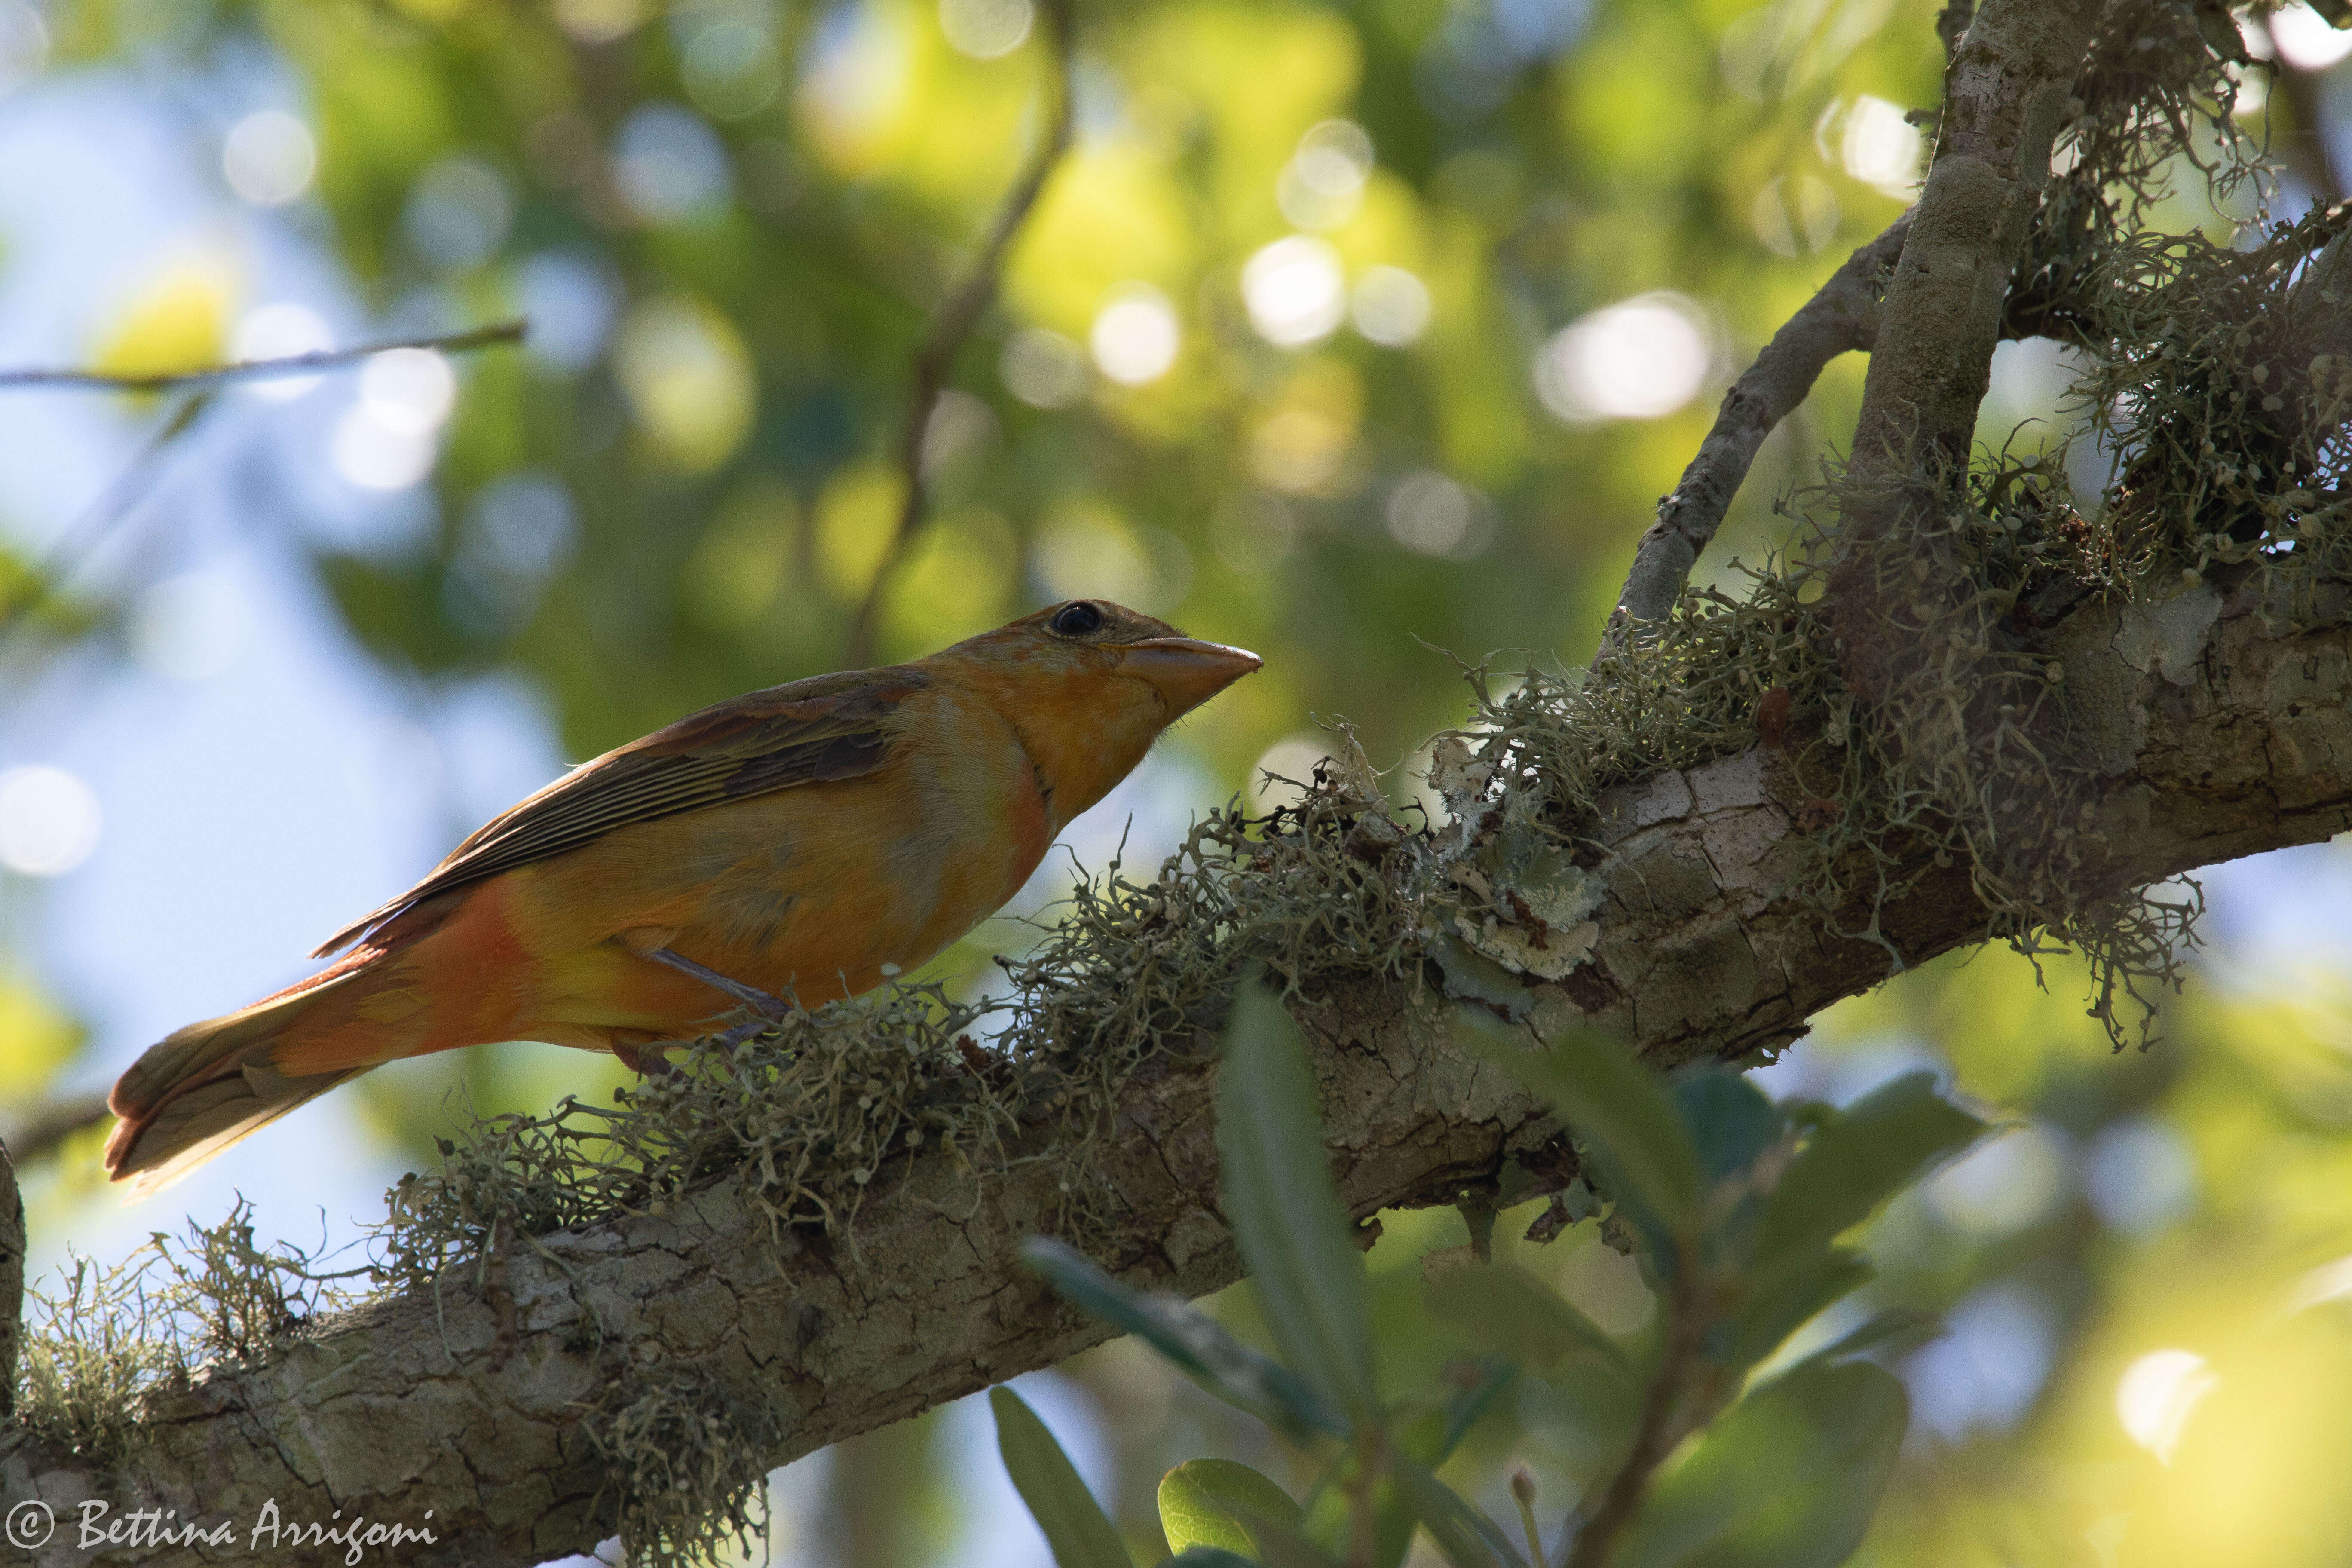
<point x="1090" y="685"/>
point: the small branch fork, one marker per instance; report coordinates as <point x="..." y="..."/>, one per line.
<point x="262" y="369"/>
<point x="1841" y="317"/>
<point x="952" y="321"/>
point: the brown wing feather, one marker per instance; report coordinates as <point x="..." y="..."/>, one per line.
<point x="827" y="727"/>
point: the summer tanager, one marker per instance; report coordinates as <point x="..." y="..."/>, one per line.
<point x="804" y="841"/>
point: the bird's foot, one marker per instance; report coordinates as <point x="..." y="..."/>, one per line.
<point x="647" y="1058"/>
<point x="769" y="1009"/>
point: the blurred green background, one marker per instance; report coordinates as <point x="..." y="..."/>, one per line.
<point x="1342" y="331"/>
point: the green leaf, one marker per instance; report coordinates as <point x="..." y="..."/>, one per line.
<point x="1284" y="1210"/>
<point x="1860" y="1158"/>
<point x="1732" y="1124"/>
<point x="1219" y="1502"/>
<point x="1208" y="1557"/>
<point x="1429" y="1439"/>
<point x="1790" y="1297"/>
<point x="1897" y="1327"/>
<point x="1618" y="1110"/>
<point x="1074" y="1524"/>
<point x="1463" y="1536"/>
<point x="1789" y="1479"/>
<point x="1195" y="1342"/>
<point x="1506" y="1310"/>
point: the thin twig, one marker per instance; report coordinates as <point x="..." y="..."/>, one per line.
<point x="1658" y="1430"/>
<point x="952" y="321"/>
<point x="1842" y="316"/>
<point x="94" y="527"/>
<point x="259" y="368"/>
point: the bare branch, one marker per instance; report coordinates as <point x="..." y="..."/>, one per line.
<point x="952" y="322"/>
<point x="264" y="369"/>
<point x="1841" y="317"/>
<point x="1657" y="1430"/>
<point x="82" y="537"/>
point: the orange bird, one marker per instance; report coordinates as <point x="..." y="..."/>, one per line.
<point x="807" y="840"/>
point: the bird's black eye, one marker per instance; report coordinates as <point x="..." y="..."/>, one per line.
<point x="1076" y="620"/>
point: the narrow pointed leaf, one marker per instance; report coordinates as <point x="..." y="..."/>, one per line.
<point x="1074" y="1524"/>
<point x="1791" y="1297"/>
<point x="1195" y="1342"/>
<point x="1208" y="1557"/>
<point x="1463" y="1536"/>
<point x="1219" y="1502"/>
<point x="1618" y="1109"/>
<point x="1505" y="1309"/>
<point x="1897" y="1329"/>
<point x="1860" y="1158"/>
<point x="1284" y="1208"/>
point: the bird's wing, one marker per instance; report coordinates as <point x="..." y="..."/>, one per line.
<point x="829" y="727"/>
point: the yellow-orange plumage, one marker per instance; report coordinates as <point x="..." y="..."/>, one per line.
<point x="805" y="840"/>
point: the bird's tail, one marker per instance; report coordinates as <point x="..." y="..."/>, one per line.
<point x="211" y="1084"/>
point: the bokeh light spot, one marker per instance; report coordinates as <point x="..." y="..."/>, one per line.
<point x="2305" y="39"/>
<point x="2005" y="1184"/>
<point x="598" y="21"/>
<point x="1042" y="368"/>
<point x="1323" y="185"/>
<point x="985" y="29"/>
<point x="1282" y="771"/>
<point x="269" y="158"/>
<point x="1429" y="514"/>
<point x="282" y="330"/>
<point x="1881" y="148"/>
<point x="1391" y="307"/>
<point x="1135" y="336"/>
<point x="687" y="377"/>
<point x="2158" y="1393"/>
<point x="1640" y="359"/>
<point x="23" y="44"/>
<point x="458" y="214"/>
<point x="569" y="301"/>
<point x="408" y="390"/>
<point x="1089" y="552"/>
<point x="1293" y="291"/>
<point x="731" y="70"/>
<point x="668" y="164"/>
<point x="2140" y="1175"/>
<point x="49" y="821"/>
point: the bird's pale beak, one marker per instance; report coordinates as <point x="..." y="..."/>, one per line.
<point x="1186" y="672"/>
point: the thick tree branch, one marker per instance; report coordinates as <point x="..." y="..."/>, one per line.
<point x="953" y="320"/>
<point x="1841" y="317"/>
<point x="2007" y="93"/>
<point x="2216" y="737"/>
